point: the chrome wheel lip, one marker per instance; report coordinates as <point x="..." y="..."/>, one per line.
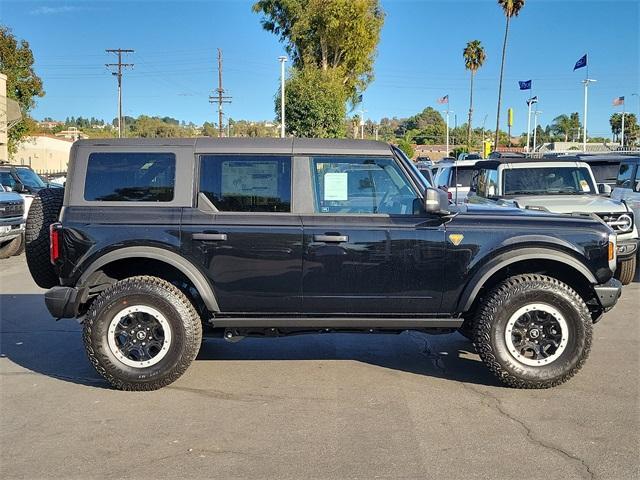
<point x="541" y="307"/>
<point x="157" y="316"/>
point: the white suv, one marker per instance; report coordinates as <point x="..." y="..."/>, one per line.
<point x="558" y="186"/>
<point x="455" y="178"/>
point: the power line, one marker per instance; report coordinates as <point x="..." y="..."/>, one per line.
<point x="118" y="73"/>
<point x="220" y="98"/>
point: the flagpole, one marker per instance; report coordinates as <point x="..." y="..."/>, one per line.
<point x="528" y="124"/>
<point x="622" y="130"/>
<point x="447" y="113"/>
<point x="586" y="82"/>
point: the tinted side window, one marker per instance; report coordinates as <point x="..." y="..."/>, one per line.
<point x="362" y="185"/>
<point x="130" y="177"/>
<point x="625" y="175"/>
<point x="247" y="183"/>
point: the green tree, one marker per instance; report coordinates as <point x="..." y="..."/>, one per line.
<point x="314" y="104"/>
<point x="562" y="125"/>
<point x="474" y="57"/>
<point x="630" y="127"/>
<point x="209" y="129"/>
<point x="511" y="8"/>
<point x="407" y="147"/>
<point x="23" y="85"/>
<point x="337" y="37"/>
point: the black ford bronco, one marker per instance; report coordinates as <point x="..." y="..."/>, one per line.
<point x="154" y="243"/>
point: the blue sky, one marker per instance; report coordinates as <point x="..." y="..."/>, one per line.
<point x="419" y="57"/>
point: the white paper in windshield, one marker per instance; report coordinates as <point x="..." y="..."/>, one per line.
<point x="336" y="186"/>
<point x="585" y="186"/>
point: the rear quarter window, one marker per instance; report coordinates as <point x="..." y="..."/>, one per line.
<point x="130" y="177"/>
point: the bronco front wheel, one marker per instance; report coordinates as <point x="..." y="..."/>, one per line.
<point x="533" y="331"/>
<point x="142" y="333"/>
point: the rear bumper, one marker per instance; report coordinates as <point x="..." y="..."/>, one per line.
<point x="609" y="293"/>
<point x="63" y="302"/>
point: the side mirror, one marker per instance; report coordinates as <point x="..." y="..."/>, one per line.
<point x="604" y="189"/>
<point x="19" y="187"/>
<point x="435" y="201"/>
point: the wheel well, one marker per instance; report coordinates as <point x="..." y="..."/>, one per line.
<point x="558" y="270"/>
<point x="132" y="267"/>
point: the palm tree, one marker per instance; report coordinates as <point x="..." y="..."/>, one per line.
<point x="562" y="125"/>
<point x="474" y="57"/>
<point x="511" y="8"/>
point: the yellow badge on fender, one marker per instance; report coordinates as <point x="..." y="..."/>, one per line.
<point x="456" y="238"/>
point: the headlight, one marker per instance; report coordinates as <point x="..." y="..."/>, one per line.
<point x="625" y="222"/>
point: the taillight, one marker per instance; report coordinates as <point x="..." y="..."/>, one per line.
<point x="449" y="195"/>
<point x="54" y="242"/>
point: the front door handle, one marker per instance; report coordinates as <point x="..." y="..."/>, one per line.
<point x="212" y="237"/>
<point x="331" y="238"/>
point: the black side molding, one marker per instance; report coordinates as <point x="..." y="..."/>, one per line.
<point x="337" y="322"/>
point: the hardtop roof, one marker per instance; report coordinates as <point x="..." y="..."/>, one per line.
<point x="295" y="146"/>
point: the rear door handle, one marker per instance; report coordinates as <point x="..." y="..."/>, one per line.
<point x="331" y="238"/>
<point x="212" y="237"/>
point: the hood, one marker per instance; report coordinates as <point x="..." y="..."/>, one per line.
<point x="570" y="203"/>
<point x="10" y="197"/>
<point x="517" y="220"/>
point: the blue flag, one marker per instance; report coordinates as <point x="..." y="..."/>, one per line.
<point x="581" y="63"/>
<point x="525" y="85"/>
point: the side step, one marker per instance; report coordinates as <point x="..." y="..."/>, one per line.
<point x="337" y="322"/>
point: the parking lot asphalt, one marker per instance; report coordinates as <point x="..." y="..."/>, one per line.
<point x="335" y="406"/>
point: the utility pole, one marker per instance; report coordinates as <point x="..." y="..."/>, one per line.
<point x="362" y="112"/>
<point x="220" y="98"/>
<point x="118" y="73"/>
<point x="622" y="128"/>
<point x="282" y="60"/>
<point x="586" y="82"/>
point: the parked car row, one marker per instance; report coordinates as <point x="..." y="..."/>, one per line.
<point x="559" y="184"/>
<point x="18" y="184"/>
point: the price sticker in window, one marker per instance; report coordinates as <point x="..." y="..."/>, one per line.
<point x="585" y="186"/>
<point x="336" y="186"/>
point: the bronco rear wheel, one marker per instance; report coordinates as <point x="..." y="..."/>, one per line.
<point x="533" y="331"/>
<point x="142" y="333"/>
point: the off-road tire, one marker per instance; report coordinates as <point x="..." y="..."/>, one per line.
<point x="186" y="331"/>
<point x="44" y="211"/>
<point x="503" y="301"/>
<point x="626" y="271"/>
<point x="11" y="247"/>
<point x="22" y="244"/>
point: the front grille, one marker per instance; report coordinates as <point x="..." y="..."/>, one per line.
<point x="619" y="222"/>
<point x="11" y="209"/>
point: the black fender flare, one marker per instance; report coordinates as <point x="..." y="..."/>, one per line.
<point x="199" y="281"/>
<point x="502" y="260"/>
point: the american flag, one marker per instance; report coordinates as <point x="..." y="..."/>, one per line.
<point x="444" y="99"/>
<point x="618" y="101"/>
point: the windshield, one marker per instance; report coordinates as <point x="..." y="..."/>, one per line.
<point x="30" y="178"/>
<point x="412" y="166"/>
<point x="605" y="172"/>
<point x="548" y="181"/>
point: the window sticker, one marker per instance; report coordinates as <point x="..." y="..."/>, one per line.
<point x="336" y="186"/>
<point x="585" y="186"/>
<point x="250" y="178"/>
